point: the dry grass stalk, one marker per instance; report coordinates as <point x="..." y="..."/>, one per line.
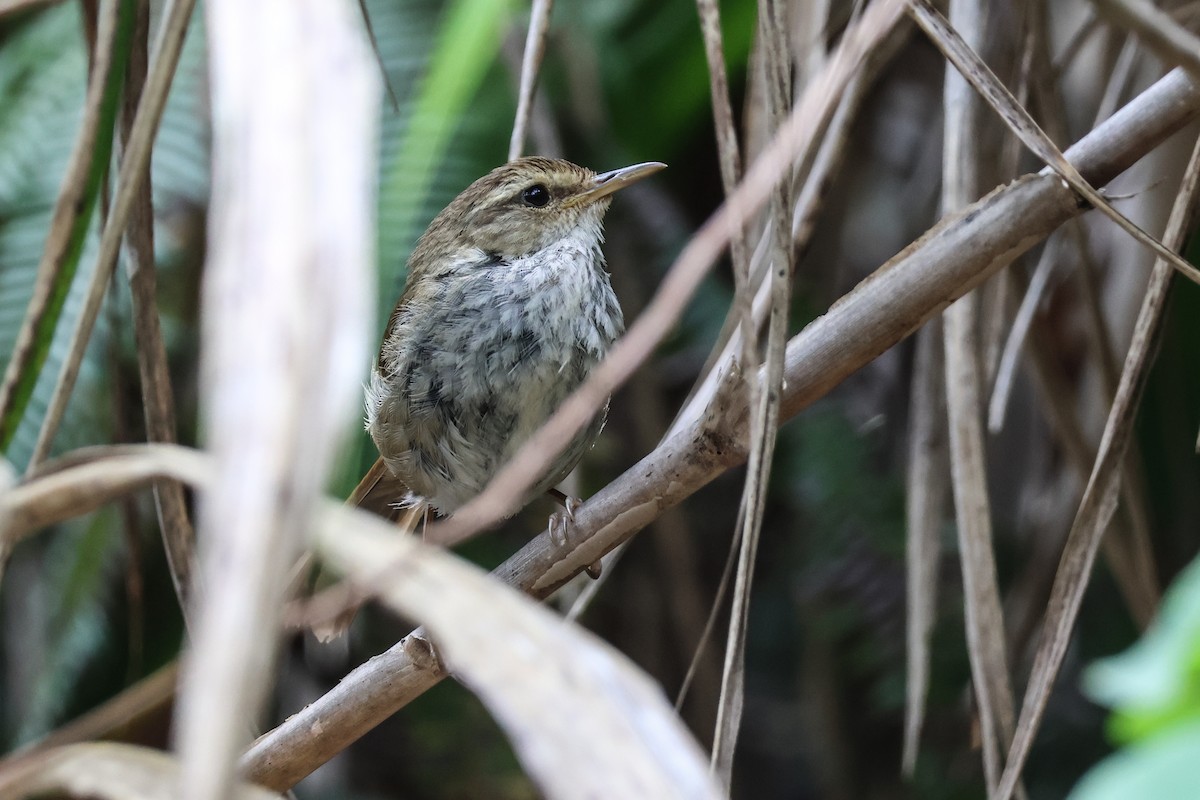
<point x="764" y="396"/>
<point x="874" y="37"/>
<point x="961" y="184"/>
<point x="1018" y="120"/>
<point x="158" y="397"/>
<point x="926" y="494"/>
<point x="730" y="162"/>
<point x="1170" y="40"/>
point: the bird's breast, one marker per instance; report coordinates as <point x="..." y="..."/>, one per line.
<point x="468" y="375"/>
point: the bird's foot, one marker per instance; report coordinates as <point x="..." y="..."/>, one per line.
<point x="562" y="527"/>
<point x="562" y="522"/>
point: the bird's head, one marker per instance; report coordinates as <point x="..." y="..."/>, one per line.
<point x="527" y="205"/>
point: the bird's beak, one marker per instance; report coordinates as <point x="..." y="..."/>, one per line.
<point x="606" y="183"/>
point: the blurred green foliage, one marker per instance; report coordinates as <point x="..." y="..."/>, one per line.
<point x="1154" y="691"/>
<point x="99" y="157"/>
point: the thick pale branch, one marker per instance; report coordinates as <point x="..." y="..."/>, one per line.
<point x="949" y="260"/>
<point x="285" y="304"/>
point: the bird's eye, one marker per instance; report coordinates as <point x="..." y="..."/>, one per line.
<point x="536" y="195"/>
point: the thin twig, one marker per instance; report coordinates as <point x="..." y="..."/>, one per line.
<point x="710" y="624"/>
<point x="8" y="7"/>
<point x="764" y="397"/>
<point x="816" y="166"/>
<point x="1017" y="333"/>
<point x="383" y="73"/>
<point x="1128" y="551"/>
<point x="730" y="162"/>
<point x="158" y="400"/>
<point x="964" y="386"/>
<point x="71" y="210"/>
<point x="535" y="50"/>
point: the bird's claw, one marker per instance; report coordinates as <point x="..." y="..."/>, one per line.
<point x="562" y="526"/>
<point x="562" y="522"/>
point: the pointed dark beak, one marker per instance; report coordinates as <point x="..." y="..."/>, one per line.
<point x="606" y="183"/>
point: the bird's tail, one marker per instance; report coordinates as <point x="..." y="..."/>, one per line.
<point x="381" y="493"/>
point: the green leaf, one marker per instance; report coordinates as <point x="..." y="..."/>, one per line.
<point x="1165" y="767"/>
<point x="1156" y="683"/>
<point x="650" y="59"/>
<point x="466" y="48"/>
<point x="47" y="321"/>
<point x="43" y="70"/>
<point x="42" y="83"/>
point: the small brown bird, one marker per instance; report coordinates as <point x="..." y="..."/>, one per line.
<point x="506" y="310"/>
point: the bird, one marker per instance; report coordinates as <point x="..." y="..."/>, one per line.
<point x="506" y="309"/>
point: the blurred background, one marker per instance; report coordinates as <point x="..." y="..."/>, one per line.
<point x="89" y="609"/>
